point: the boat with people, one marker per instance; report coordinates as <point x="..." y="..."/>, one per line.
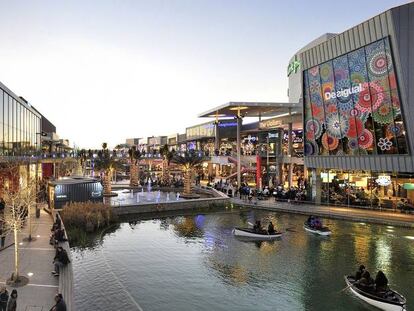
<point x="321" y="231"/>
<point x="314" y="225"/>
<point x="252" y="233"/>
<point x="388" y="300"/>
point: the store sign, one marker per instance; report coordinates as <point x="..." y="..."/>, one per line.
<point x="61" y="196"/>
<point x="227" y="124"/>
<point x="95" y="194"/>
<point x="293" y="67"/>
<point x="344" y="92"/>
<point x="271" y="123"/>
<point x="383" y="180"/>
<point x="408" y="186"/>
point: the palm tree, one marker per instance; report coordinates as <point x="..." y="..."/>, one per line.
<point x="167" y="156"/>
<point x="188" y="160"/>
<point x="134" y="156"/>
<point x="105" y="163"/>
<point x="83" y="156"/>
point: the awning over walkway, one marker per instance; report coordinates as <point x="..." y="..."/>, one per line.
<point x="252" y="109"/>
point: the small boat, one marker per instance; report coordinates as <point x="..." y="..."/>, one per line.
<point x="251" y="233"/>
<point x="388" y="301"/>
<point x="321" y="231"/>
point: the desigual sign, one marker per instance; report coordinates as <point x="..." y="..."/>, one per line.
<point x="344" y="92"/>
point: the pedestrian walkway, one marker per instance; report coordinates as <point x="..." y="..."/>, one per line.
<point x="346" y="213"/>
<point x="36" y="264"/>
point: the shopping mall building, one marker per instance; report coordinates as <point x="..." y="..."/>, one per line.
<point x="26" y="138"/>
<point x="357" y="93"/>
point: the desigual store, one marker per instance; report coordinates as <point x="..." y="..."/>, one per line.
<point x="357" y="95"/>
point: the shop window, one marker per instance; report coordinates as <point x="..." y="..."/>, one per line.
<point x="352" y="105"/>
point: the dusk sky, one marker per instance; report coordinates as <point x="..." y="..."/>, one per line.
<point x="110" y="70"/>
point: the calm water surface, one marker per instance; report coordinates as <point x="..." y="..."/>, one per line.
<point x="195" y="263"/>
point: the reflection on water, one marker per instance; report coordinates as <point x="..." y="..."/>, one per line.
<point x="195" y="263"/>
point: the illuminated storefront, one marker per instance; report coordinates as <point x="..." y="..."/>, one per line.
<point x="352" y="105"/>
<point x="358" y="115"/>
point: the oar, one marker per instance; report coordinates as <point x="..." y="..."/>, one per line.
<point x="250" y="224"/>
<point x="348" y="286"/>
<point x="290" y="229"/>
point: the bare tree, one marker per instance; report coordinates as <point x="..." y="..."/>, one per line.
<point x="14" y="217"/>
<point x="28" y="196"/>
<point x="15" y="211"/>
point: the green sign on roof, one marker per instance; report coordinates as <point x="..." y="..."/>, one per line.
<point x="293" y="67"/>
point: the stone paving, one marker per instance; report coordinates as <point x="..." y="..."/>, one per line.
<point x="356" y="214"/>
<point x="36" y="264"/>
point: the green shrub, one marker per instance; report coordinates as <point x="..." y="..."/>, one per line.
<point x="87" y="216"/>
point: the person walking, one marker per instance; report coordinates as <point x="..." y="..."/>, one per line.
<point x="4" y="297"/>
<point x="12" y="304"/>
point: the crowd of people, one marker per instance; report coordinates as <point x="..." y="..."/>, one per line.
<point x="61" y="258"/>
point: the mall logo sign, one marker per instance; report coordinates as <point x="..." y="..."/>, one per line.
<point x="344" y="92"/>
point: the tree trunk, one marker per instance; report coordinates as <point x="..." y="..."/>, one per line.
<point x="107" y="182"/>
<point x="165" y="171"/>
<point x="29" y="218"/>
<point x="16" y="255"/>
<point x="187" y="181"/>
<point x="79" y="168"/>
<point x="134" y="174"/>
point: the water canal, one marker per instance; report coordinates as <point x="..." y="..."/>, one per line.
<point x="195" y="263"/>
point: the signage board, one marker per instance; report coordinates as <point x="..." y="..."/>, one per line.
<point x="408" y="186"/>
<point x="293" y="66"/>
<point x="270" y="123"/>
<point x="383" y="180"/>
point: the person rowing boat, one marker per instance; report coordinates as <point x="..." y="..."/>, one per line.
<point x="314" y="224"/>
<point x="376" y="293"/>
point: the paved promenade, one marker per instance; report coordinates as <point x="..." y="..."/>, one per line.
<point x="363" y="215"/>
<point x="35" y="263"/>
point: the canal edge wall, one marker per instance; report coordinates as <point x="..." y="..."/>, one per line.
<point x="328" y="214"/>
<point x="218" y="199"/>
<point x="66" y="272"/>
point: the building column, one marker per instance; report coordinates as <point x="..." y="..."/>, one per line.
<point x="290" y="128"/>
<point x="316" y="185"/>
<point x="217" y="137"/>
<point x="239" y="125"/>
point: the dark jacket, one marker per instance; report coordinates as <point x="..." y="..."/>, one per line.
<point x="61" y="305"/>
<point x="4" y="297"/>
<point x="12" y="304"/>
<point x="381" y="281"/>
<point x="62" y="257"/>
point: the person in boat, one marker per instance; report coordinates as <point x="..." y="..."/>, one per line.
<point x="366" y="280"/>
<point x="381" y="282"/>
<point x="310" y="221"/>
<point x="270" y="228"/>
<point x="359" y="272"/>
<point x="257" y="226"/>
<point x="317" y="223"/>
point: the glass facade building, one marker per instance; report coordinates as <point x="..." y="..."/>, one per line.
<point x="20" y="125"/>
